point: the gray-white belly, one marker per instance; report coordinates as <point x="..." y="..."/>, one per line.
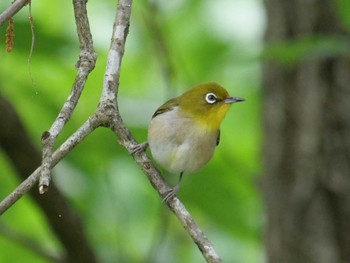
<point x="180" y="145"/>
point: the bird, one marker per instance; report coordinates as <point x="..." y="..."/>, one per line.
<point x="184" y="132"/>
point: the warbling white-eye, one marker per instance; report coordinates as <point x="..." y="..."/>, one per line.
<point x="185" y="130"/>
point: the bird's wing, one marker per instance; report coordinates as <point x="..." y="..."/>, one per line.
<point x="218" y="138"/>
<point x="167" y="106"/>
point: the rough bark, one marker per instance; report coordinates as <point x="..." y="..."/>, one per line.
<point x="306" y="153"/>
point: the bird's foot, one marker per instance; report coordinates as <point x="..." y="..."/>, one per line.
<point x="139" y="148"/>
<point x="170" y="194"/>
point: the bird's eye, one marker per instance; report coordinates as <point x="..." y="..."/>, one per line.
<point x="210" y="98"/>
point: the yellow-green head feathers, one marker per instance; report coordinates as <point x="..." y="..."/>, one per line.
<point x="207" y="103"/>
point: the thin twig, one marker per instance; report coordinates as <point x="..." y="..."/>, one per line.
<point x="31" y="22"/>
<point x="85" y="65"/>
<point x="12" y="10"/>
<point x="88" y="127"/>
<point x="25" y="158"/>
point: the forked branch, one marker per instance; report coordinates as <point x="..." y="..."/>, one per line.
<point x="85" y="64"/>
<point x="107" y="114"/>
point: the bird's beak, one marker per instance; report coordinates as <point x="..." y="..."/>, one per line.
<point x="230" y="100"/>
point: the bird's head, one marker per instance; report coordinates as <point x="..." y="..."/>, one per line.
<point x="207" y="103"/>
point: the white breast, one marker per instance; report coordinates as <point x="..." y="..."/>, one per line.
<point x="178" y="143"/>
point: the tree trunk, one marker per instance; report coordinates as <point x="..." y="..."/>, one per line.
<point x="306" y="108"/>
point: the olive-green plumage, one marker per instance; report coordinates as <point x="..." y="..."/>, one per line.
<point x="184" y="131"/>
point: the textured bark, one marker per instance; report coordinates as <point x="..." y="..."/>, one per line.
<point x="306" y="153"/>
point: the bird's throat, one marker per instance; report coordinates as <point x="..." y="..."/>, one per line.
<point x="213" y="118"/>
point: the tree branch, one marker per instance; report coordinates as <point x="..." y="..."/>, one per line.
<point x="89" y="126"/>
<point x="126" y="139"/>
<point x="85" y="65"/>
<point x="107" y="114"/>
<point x="12" y="10"/>
<point x="154" y="175"/>
<point x="16" y="143"/>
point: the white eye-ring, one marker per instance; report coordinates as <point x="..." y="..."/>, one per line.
<point x="211" y="98"/>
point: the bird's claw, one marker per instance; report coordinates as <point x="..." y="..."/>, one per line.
<point x="138" y="148"/>
<point x="170" y="194"/>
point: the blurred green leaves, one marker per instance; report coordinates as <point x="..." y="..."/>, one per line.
<point x="344" y="12"/>
<point x="123" y="215"/>
<point x="307" y="47"/>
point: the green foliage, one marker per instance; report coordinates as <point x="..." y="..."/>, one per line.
<point x="124" y="217"/>
<point x="344" y="12"/>
<point x="306" y="48"/>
